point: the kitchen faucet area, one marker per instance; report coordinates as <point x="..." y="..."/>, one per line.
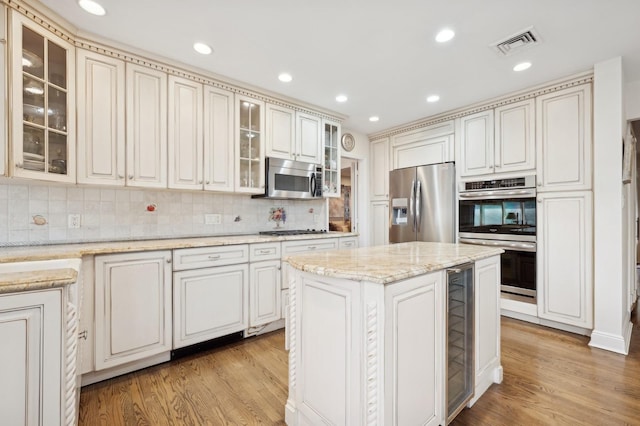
<point x="291" y="214"/>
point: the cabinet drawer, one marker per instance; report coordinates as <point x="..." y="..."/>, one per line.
<point x="296" y="247"/>
<point x="203" y="257"/>
<point x="264" y="251"/>
<point x="348" y="242"/>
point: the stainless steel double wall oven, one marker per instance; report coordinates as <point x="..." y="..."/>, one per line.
<point x="502" y="213"/>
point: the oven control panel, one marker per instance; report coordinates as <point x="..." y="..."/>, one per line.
<point x="520" y="182"/>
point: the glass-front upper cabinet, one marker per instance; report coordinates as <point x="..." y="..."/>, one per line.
<point x="330" y="140"/>
<point x="43" y="103"/>
<point x="250" y="145"/>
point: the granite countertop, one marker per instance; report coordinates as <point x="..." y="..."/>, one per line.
<point x="390" y="263"/>
<point x="12" y="282"/>
<point x="65" y="251"/>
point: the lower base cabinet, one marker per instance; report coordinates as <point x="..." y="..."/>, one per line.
<point x="379" y="223"/>
<point x="132" y="307"/>
<point x="264" y="293"/>
<point x="209" y="303"/>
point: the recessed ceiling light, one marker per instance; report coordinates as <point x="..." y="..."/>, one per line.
<point x="445" y="35"/>
<point x="202" y="48"/>
<point x="341" y="98"/>
<point x="374" y="118"/>
<point x="92" y="7"/>
<point x="522" y="66"/>
<point x="285" y="77"/>
<point x="433" y="98"/>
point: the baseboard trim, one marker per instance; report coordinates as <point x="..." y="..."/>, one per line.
<point x="613" y="342"/>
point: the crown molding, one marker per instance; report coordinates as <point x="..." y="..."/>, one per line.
<point x="532" y="92"/>
<point x="52" y="22"/>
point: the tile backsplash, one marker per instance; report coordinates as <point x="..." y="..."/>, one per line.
<point x="121" y="213"/>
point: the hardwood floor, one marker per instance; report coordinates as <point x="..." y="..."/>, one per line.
<point x="550" y="378"/>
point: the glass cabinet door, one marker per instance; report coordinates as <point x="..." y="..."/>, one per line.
<point x="251" y="145"/>
<point x="331" y="184"/>
<point x="42" y="132"/>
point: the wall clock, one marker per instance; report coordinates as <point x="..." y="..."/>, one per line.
<point x="348" y="142"/>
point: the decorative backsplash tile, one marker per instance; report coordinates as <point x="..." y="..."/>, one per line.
<point x="122" y="214"/>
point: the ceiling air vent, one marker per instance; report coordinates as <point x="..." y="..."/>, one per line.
<point x="517" y="42"/>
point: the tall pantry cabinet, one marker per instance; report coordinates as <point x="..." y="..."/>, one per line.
<point x="379" y="154"/>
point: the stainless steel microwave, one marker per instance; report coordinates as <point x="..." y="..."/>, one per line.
<point x="287" y="179"/>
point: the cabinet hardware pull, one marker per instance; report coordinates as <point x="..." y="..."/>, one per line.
<point x="82" y="335"/>
<point x="311" y="247"/>
<point x="200" y="182"/>
<point x="18" y="165"/>
<point x="120" y="176"/>
<point x="265" y="251"/>
<point x="215" y="257"/>
<point x="130" y="176"/>
<point x="208" y="182"/>
<point x="168" y="260"/>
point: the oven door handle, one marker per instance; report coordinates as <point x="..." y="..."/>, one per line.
<point x="506" y="245"/>
<point x="496" y="195"/>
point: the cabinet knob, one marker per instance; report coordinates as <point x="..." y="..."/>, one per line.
<point x="120" y="176"/>
<point x="18" y="165"/>
<point x="539" y="183"/>
<point x="200" y="182"/>
<point x="168" y="260"/>
<point x="130" y="177"/>
<point x="539" y="201"/>
<point x="208" y="182"/>
<point x="82" y="335"/>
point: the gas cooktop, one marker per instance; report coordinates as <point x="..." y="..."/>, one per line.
<point x="281" y="232"/>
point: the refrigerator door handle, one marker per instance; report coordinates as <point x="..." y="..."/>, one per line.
<point x="418" y="205"/>
<point x="412" y="200"/>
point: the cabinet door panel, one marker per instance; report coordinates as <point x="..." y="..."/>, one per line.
<point x="209" y="303"/>
<point x="264" y="294"/>
<point x="132" y="289"/>
<point x="218" y="139"/>
<point x="563" y="131"/>
<point x="101" y="146"/>
<point x="564" y="261"/>
<point x="476" y="149"/>
<point x="380" y="169"/>
<point x="281" y="127"/>
<point x="430" y="151"/>
<point x="146" y="127"/>
<point x="515" y="137"/>
<point x="379" y="223"/>
<point x="185" y="134"/>
<point x="308" y="137"/>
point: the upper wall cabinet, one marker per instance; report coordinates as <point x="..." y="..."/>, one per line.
<point x="250" y="145"/>
<point x="514" y="137"/>
<point x="146" y="127"/>
<point x="43" y="81"/>
<point x="281" y="132"/>
<point x="308" y="138"/>
<point x="379" y="154"/>
<point x="476" y="144"/>
<point x="218" y="139"/>
<point x="331" y="144"/>
<point x="563" y="131"/>
<point x="431" y="145"/>
<point x="101" y="125"/>
<point x="185" y="140"/>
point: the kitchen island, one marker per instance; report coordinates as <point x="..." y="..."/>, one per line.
<point x="368" y="333"/>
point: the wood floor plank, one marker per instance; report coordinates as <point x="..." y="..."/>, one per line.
<point x="550" y="378"/>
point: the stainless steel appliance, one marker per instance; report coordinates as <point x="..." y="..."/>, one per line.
<point x="422" y="203"/>
<point x="460" y="339"/>
<point x="502" y="213"/>
<point x="284" y="232"/>
<point x="285" y="179"/>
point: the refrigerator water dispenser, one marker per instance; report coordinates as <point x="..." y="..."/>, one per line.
<point x="400" y="208"/>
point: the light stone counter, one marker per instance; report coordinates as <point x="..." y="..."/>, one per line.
<point x="389" y="263"/>
<point x="65" y="251"/>
<point x="36" y="280"/>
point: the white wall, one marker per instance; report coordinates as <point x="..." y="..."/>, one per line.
<point x="361" y="153"/>
<point x="632" y="100"/>
<point x="612" y="326"/>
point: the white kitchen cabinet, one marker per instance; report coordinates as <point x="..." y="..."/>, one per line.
<point x="146" y="112"/>
<point x="332" y="167"/>
<point x="219" y="157"/>
<point x="563" y="132"/>
<point x="565" y="257"/>
<point x="514" y="143"/>
<point x="86" y="329"/>
<point x="379" y="152"/>
<point x="264" y="292"/>
<point x="132" y="307"/>
<point x="185" y="134"/>
<point x="31" y="325"/>
<point x="475" y="155"/>
<point x="43" y="79"/>
<point x="4" y="145"/>
<point x="348" y="242"/>
<point x="430" y="145"/>
<point x="280" y="132"/>
<point x="101" y="119"/>
<point x="209" y="303"/>
<point x="487" y="323"/>
<point x="308" y="137"/>
<point x="290" y="248"/>
<point x="379" y="223"/>
<point x="250" y="145"/>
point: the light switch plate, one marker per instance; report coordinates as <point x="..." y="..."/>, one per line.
<point x="212" y="219"/>
<point x="74" y="221"/>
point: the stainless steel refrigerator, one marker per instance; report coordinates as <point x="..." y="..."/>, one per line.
<point x="422" y="203"/>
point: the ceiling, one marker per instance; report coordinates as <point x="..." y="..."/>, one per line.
<point x="380" y="53"/>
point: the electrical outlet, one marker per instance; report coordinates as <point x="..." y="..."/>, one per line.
<point x="74" y="221"/>
<point x="212" y="219"/>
